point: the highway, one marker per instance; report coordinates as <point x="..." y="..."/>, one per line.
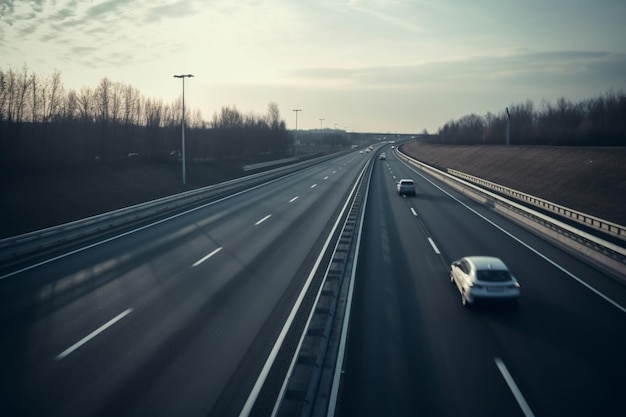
<point x="173" y="318"/>
<point x="179" y="316"/>
<point x="414" y="350"/>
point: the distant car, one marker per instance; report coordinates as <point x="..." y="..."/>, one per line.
<point x="382" y="156"/>
<point x="483" y="277"/>
<point x="361" y="152"/>
<point x="406" y="187"/>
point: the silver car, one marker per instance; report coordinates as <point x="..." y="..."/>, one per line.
<point x="483" y="277"/>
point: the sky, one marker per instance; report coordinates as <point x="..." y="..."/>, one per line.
<point x="397" y="66"/>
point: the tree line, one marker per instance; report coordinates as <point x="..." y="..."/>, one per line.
<point x="44" y="123"/>
<point x="599" y="121"/>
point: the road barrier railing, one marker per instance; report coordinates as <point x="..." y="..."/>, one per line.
<point x="601" y="225"/>
<point x="313" y="380"/>
<point x="611" y="257"/>
<point x="24" y="245"/>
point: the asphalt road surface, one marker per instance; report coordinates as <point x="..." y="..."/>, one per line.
<point x="413" y="350"/>
<point x="178" y="317"/>
<point x="175" y="318"/>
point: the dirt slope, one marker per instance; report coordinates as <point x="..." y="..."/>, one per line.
<point x="591" y="180"/>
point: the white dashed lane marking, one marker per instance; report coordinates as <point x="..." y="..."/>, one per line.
<point x="262" y="220"/>
<point x="514" y="389"/>
<point x="435" y="248"/>
<point x="93" y="334"/>
<point x="207" y="257"/>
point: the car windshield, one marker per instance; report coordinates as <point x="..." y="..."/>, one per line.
<point x="493" y="275"/>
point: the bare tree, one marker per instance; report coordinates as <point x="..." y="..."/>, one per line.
<point x="33" y="105"/>
<point x="70" y="106"/>
<point x="132" y="106"/>
<point x="116" y="100"/>
<point x="17" y="88"/>
<point x="153" y="111"/>
<point x="102" y="96"/>
<point x="273" y="115"/>
<point x="86" y="104"/>
<point x="54" y="99"/>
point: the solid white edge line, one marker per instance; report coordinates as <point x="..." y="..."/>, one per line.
<point x="93" y="334"/>
<point x="256" y="389"/>
<point x="435" y="248"/>
<point x="207" y="257"/>
<point x="527" y="246"/>
<point x="262" y="220"/>
<point x="514" y="389"/>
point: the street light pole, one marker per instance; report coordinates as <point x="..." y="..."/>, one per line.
<point x="321" y="122"/>
<point x="183" y="76"/>
<point x="508" y="127"/>
<point x="296" y="140"/>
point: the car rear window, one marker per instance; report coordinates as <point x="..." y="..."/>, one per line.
<point x="493" y="275"/>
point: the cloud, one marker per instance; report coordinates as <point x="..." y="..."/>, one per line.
<point x="82" y="50"/>
<point x="27" y="29"/>
<point x="9" y="15"/>
<point x="563" y="67"/>
<point x="64" y="13"/>
<point x="387" y="13"/>
<point x="178" y="9"/>
<point x="107" y="7"/>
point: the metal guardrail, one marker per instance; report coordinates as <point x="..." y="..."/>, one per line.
<point x="610" y="256"/>
<point x="260" y="165"/>
<point x="312" y="377"/>
<point x="602" y="225"/>
<point x="32" y="242"/>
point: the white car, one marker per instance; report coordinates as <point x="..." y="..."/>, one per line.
<point x="483" y="277"/>
<point x="406" y="187"/>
